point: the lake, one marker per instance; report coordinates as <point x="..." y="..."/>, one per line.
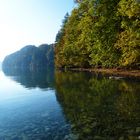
<point x="55" y="105"/>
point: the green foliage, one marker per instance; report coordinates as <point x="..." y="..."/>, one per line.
<point x="61" y="31"/>
<point x="100" y="33"/>
<point x="106" y="29"/>
<point x="129" y="38"/>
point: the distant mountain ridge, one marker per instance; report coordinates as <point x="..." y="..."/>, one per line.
<point x="31" y="57"/>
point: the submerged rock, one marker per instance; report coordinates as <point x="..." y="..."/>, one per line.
<point x="115" y="77"/>
<point x="71" y="137"/>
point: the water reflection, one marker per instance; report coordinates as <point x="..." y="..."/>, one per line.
<point x="30" y="113"/>
<point x="94" y="107"/>
<point x="43" y="78"/>
<point x="100" y="108"/>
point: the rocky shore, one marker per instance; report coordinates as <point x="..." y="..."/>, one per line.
<point x="113" y="73"/>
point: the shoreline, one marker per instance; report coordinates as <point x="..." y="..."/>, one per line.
<point x="112" y="72"/>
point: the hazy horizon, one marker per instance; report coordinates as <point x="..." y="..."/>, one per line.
<point x="30" y="22"/>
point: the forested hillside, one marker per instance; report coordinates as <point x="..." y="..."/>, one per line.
<point x="100" y="33"/>
<point x="31" y="57"/>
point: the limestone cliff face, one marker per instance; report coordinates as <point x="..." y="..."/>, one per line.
<point x="31" y="57"/>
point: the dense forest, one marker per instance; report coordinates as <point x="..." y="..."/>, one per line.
<point x="100" y="33"/>
<point x="31" y="58"/>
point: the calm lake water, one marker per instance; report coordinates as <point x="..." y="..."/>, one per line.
<point x="53" y="105"/>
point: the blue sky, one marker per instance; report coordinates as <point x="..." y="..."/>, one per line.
<point x="25" y="22"/>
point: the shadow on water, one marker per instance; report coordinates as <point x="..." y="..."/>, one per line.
<point x="41" y="78"/>
<point x="99" y="108"/>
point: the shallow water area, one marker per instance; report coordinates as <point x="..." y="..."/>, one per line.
<point x="29" y="113"/>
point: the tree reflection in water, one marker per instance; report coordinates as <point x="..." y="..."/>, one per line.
<point x="99" y="107"/>
<point x="41" y="78"/>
